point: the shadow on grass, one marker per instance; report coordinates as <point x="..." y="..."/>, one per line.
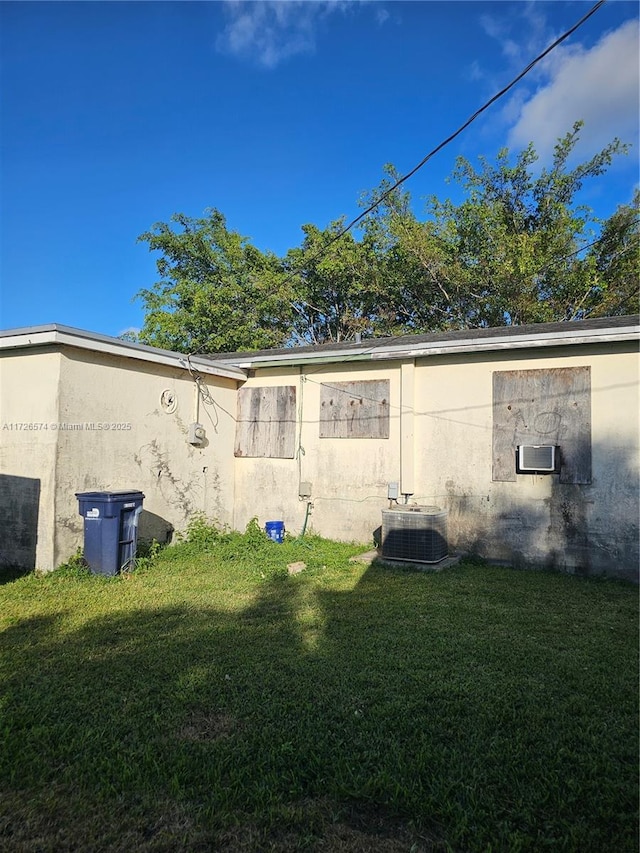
<point x="8" y="574"/>
<point x="389" y="717"/>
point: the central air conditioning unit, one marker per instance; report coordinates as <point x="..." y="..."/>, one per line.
<point x="536" y="459"/>
<point x="415" y="534"/>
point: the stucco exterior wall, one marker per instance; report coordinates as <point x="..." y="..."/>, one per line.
<point x="536" y="519"/>
<point x="440" y="450"/>
<point x="28" y="441"/>
<point x="348" y="476"/>
<point x="76" y="419"/>
<point x="130" y="439"/>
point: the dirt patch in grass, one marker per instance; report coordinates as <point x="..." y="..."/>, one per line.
<point x="366" y="828"/>
<point x="205" y="727"/>
<point x="318" y="825"/>
<point x="40" y="826"/>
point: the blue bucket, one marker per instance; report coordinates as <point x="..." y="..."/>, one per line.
<point x="275" y="530"/>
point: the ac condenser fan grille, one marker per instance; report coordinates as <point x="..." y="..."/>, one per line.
<point x="415" y="534"/>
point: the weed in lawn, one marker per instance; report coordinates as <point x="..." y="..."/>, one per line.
<point x="75" y="566"/>
<point x="146" y="555"/>
<point x="202" y="532"/>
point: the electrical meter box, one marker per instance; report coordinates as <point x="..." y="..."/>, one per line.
<point x="197" y="434"/>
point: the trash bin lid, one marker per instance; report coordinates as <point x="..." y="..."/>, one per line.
<point x="109" y="497"/>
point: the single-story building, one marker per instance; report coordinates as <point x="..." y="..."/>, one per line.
<point x="527" y="436"/>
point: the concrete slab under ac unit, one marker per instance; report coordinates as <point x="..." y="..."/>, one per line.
<point x="374" y="556"/>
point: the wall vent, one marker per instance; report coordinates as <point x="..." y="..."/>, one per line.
<point x="415" y="534"/>
<point x="536" y="459"/>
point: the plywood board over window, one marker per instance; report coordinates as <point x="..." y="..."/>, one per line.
<point x="355" y="409"/>
<point x="266" y="422"/>
<point x="543" y="407"/>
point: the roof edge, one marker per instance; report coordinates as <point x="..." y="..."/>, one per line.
<point x="570" y="333"/>
<point x="55" y="334"/>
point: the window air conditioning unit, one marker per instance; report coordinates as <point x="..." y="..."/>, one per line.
<point x="537" y="459"/>
<point x="415" y="534"/>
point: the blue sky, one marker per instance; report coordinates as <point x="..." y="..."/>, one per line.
<point x="116" y="115"/>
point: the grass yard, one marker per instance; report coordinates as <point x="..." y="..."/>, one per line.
<point x="210" y="701"/>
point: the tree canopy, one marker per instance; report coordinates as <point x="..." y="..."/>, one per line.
<point x="216" y="292"/>
<point x="518" y="249"/>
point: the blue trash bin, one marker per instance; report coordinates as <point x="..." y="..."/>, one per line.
<point x="275" y="530"/>
<point x="110" y="529"/>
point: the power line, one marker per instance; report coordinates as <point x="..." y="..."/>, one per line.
<point x="456" y="133"/>
<point x="602" y="239"/>
<point x="439" y="147"/>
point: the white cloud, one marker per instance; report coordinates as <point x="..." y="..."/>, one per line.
<point x="530" y="28"/>
<point x="270" y="31"/>
<point x="382" y="15"/>
<point x="599" y="85"/>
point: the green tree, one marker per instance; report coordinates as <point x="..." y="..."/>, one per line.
<point x="424" y="278"/>
<point x="216" y="291"/>
<point x="518" y="249"/>
<point x="510" y="253"/>
<point x="339" y="287"/>
<point x="613" y="285"/>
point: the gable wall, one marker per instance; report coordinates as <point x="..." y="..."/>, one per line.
<point x="140" y="445"/>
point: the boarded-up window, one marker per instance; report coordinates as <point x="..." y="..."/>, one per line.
<point x="266" y="422"/>
<point x="543" y="407"/>
<point x="355" y="409"/>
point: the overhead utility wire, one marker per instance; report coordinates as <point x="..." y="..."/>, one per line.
<point x="556" y="261"/>
<point x="456" y="133"/>
<point x="439" y="147"/>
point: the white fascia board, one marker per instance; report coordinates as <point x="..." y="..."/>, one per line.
<point x="343" y="357"/>
<point x="37" y="337"/>
<point x="550" y="339"/>
<point x="466" y="345"/>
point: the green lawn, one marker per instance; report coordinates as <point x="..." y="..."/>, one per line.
<point x="211" y="702"/>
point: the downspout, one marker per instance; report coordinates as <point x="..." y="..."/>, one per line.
<point x="407" y="433"/>
<point x="300" y="451"/>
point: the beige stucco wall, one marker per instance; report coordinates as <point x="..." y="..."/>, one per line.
<point x="28" y="440"/>
<point x="536" y="519"/>
<point x="144" y="448"/>
<point x="54" y="396"/>
<point x="440" y="450"/>
<point x="349" y="477"/>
